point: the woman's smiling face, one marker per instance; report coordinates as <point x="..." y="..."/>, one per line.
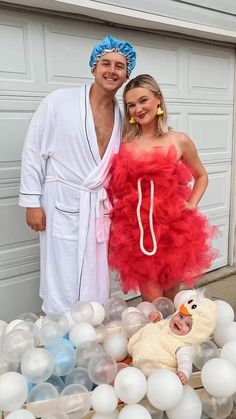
<point x="181" y="324"/>
<point x="142" y="105"/>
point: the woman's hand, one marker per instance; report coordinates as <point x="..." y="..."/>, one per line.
<point x="189" y="205"/>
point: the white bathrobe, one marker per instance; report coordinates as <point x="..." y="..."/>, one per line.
<point x="63" y="173"/>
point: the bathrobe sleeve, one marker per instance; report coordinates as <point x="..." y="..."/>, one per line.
<point x="35" y="154"/>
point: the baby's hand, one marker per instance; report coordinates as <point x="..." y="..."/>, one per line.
<point x="154" y="316"/>
<point x="182" y="377"/>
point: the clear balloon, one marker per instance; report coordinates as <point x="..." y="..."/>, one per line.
<point x="113" y="415"/>
<point x="219" y="377"/>
<point x="82" y="312"/>
<point x="136" y="411"/>
<point x="115" y="345"/>
<point x="228" y="352"/>
<point x="133" y="321"/>
<point x="6" y="365"/>
<point x="101" y="333"/>
<point x="56" y="415"/>
<point x="146" y="307"/>
<point x="203" y="353"/>
<point x="79" y="375"/>
<point x="216" y="408"/>
<point x="165" y="306"/>
<point x="10" y="326"/>
<point x="16" y="343"/>
<point x="102" y="369"/>
<point x="129" y="310"/>
<point x="75" y="398"/>
<point x="98" y="313"/>
<point x="130" y="385"/>
<point x="42" y="391"/>
<point x="21" y="414"/>
<point x="104" y="399"/>
<point x="37" y="365"/>
<point x="114" y="308"/>
<point x="51" y="333"/>
<point x="59" y="319"/>
<point x="28" y="317"/>
<point x="56" y="382"/>
<point x="82" y="332"/>
<point x="13" y="391"/>
<point x="190" y="406"/>
<point x="86" y="351"/>
<point x="158" y="383"/>
<point x="64" y="359"/>
<point x="31" y="328"/>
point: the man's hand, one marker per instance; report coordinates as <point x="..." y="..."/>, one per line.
<point x="154" y="316"/>
<point x="36" y="219"/>
<point x="182" y="377"/>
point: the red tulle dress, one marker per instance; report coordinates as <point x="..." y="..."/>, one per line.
<point x="183" y="236"/>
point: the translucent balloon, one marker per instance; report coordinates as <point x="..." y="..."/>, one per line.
<point x="16" y="343"/>
<point x="31" y="328"/>
<point x="98" y="313"/>
<point x="101" y="333"/>
<point x="133" y="321"/>
<point x="11" y="325"/>
<point x="42" y="391"/>
<point x="146" y="307"/>
<point x="21" y="414"/>
<point x="6" y="365"/>
<point x="64" y="359"/>
<point x="81" y="333"/>
<point x="115" y="345"/>
<point x="114" y="308"/>
<point x="104" y="399"/>
<point x="216" y="408"/>
<point x="113" y="415"/>
<point x="56" y="415"/>
<point x="219" y="377"/>
<point x="56" y="382"/>
<point x="164" y="305"/>
<point x="58" y="318"/>
<point x="136" y="411"/>
<point x="28" y="317"/>
<point x="102" y="369"/>
<point x="50" y="333"/>
<point x="13" y="391"/>
<point x="37" y="365"/>
<point x="130" y="385"/>
<point x="86" y="351"/>
<point x="203" y="353"/>
<point x="82" y="312"/>
<point x="225" y="312"/>
<point x="75" y="398"/>
<point x="129" y="310"/>
<point x="79" y="375"/>
<point x="190" y="406"/>
<point x="158" y="383"/>
<point x="70" y="321"/>
<point x="228" y="352"/>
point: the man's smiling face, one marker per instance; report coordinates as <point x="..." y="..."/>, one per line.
<point x="111" y="71"/>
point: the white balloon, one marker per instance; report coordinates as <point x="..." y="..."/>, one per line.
<point x="190" y="406"/>
<point x="225" y="312"/>
<point x="113" y="415"/>
<point x="82" y="332"/>
<point x="158" y="383"/>
<point x="228" y="352"/>
<point x="130" y="385"/>
<point x="98" y="313"/>
<point x="82" y="311"/>
<point x="12" y="324"/>
<point x="21" y="414"/>
<point x="13" y="391"/>
<point x="37" y="365"/>
<point x="136" y="411"/>
<point x="56" y="415"/>
<point x="71" y="322"/>
<point x="219" y="377"/>
<point x="104" y="399"/>
<point x="225" y="333"/>
<point x="115" y="345"/>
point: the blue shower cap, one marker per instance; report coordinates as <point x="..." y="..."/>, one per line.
<point x="110" y="44"/>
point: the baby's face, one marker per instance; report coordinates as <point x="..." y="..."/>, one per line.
<point x="181" y="324"/>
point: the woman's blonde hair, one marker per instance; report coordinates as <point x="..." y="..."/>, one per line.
<point x="147" y="82"/>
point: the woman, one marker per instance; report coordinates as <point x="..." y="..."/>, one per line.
<point x="158" y="237"/>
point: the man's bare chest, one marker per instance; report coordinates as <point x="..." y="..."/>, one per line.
<point x="103" y="127"/>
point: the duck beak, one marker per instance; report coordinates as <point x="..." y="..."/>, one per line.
<point x="184" y="310"/>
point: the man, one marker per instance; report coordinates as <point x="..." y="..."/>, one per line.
<point x="65" y="163"/>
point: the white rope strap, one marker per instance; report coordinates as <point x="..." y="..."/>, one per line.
<point x="150" y="219"/>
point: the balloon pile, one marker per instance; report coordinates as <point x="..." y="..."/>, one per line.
<point x="56" y="365"/>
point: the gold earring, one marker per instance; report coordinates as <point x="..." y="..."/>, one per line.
<point x="159" y="111"/>
<point x="132" y="121"/>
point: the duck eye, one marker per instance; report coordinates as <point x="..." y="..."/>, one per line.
<point x="190" y="301"/>
<point x="194" y="306"/>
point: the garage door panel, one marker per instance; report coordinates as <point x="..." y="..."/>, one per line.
<point x="211" y="73"/>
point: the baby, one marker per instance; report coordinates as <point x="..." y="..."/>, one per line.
<point x="167" y="344"/>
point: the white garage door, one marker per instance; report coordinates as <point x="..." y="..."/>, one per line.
<point x="39" y="54"/>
